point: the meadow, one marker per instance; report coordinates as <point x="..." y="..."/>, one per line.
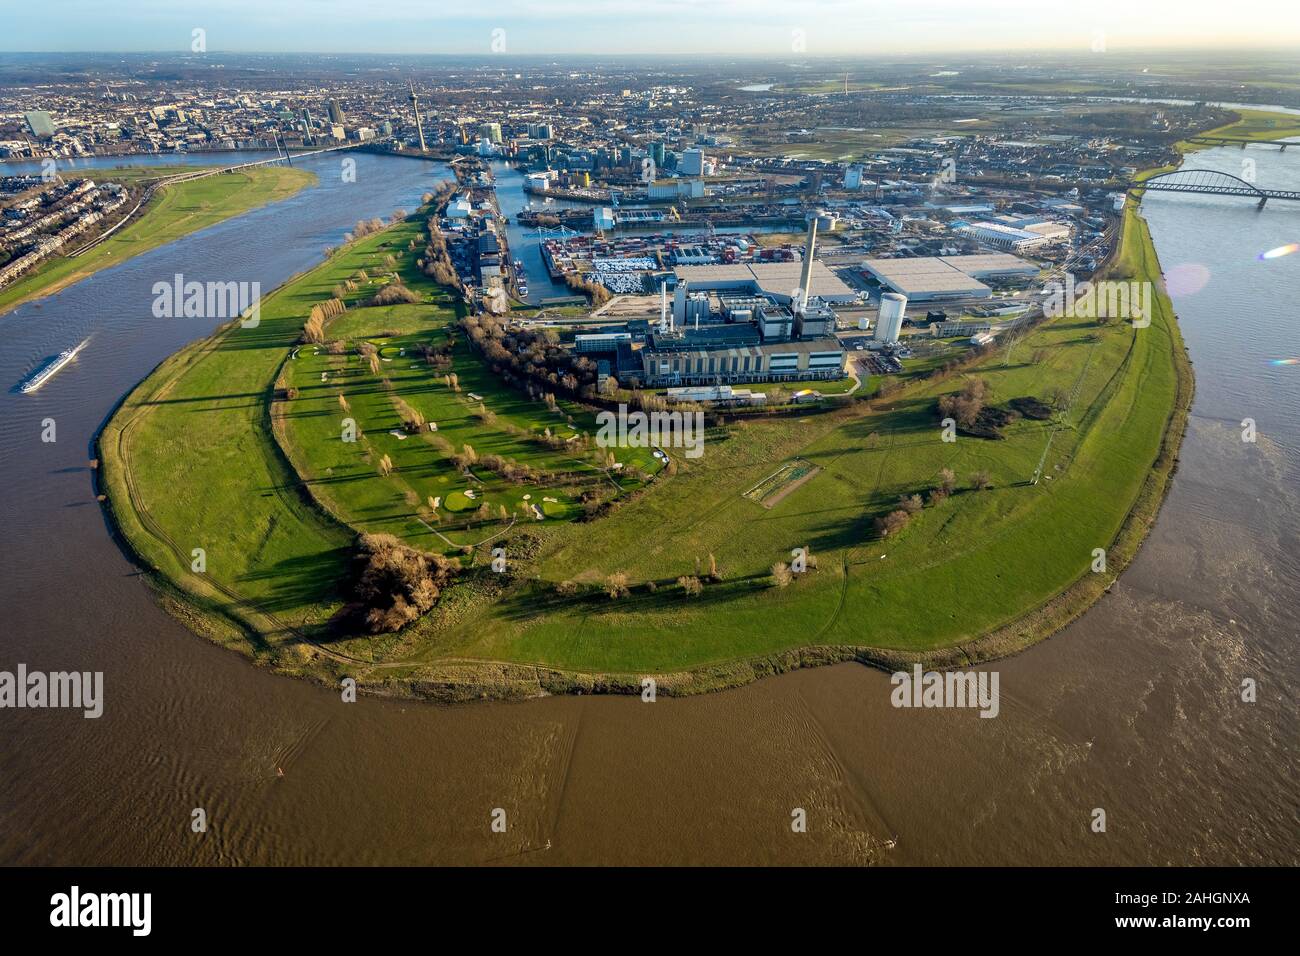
<point x="234" y="445"/>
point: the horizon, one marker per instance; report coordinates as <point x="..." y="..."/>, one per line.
<point x="755" y="28"/>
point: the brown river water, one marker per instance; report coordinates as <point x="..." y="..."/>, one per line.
<point x="1135" y="708"/>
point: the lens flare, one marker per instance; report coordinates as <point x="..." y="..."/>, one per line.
<point x="1280" y="251"/>
<point x="1288" y="361"/>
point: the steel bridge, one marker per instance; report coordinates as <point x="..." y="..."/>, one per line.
<point x="1212" y="182"/>
<point x="1238" y="141"/>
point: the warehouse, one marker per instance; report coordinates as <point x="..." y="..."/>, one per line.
<point x="927" y="278"/>
<point x="778" y="279"/>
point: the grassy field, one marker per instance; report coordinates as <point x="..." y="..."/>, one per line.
<point x="963" y="569"/>
<point x="174" y="211"/>
<point x="199" y="457"/>
<point x="1258" y="125"/>
<point x="426" y="500"/>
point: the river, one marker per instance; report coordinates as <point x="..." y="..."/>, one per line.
<point x="1134" y="709"/>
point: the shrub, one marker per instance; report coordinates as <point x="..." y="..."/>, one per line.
<point x="392" y="294"/>
<point x="395" y="584"/>
<point x="692" y="585"/>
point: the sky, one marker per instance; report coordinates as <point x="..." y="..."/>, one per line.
<point x="736" y="27"/>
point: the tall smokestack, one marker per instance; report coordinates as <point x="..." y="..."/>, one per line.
<point x="805" y="278"/>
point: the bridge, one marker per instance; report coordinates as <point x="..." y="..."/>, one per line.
<point x="1211" y="182"/>
<point x="1238" y="141"/>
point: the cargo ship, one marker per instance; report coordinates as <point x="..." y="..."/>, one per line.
<point x="49" y="370"/>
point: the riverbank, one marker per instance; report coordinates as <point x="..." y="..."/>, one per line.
<point x="174" y="211"/>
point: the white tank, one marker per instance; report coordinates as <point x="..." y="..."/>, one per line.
<point x="890" y="323"/>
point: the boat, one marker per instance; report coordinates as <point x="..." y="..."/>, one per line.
<point x="48" y="371"/>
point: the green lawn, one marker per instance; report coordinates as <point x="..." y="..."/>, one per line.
<point x="343" y="475"/>
<point x="174" y="211"/>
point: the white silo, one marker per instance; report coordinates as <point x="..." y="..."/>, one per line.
<point x="890" y="323"/>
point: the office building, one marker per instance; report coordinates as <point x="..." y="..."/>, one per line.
<point x="40" y="123"/>
<point x="692" y="163"/>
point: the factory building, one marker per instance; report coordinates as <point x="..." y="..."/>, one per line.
<point x="675" y="189"/>
<point x="1016" y="234"/>
<point x="779" y="279"/>
<point x="600" y="341"/>
<point x="927" y="278"/>
<point x="951" y="328"/>
<point x="731" y="354"/>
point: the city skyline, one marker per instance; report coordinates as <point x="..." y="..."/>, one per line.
<point x="699" y="27"/>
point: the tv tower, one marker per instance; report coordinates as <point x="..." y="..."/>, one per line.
<point x="415" y="107"/>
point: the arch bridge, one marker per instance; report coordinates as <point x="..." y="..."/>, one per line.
<point x="1212" y="182"/>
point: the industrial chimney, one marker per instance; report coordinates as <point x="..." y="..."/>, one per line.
<point x="805" y="278"/>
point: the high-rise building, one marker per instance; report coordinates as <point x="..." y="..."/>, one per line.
<point x="657" y="153"/>
<point x="336" y="112"/>
<point x="692" y="163"/>
<point x="490" y="132"/>
<point x="40" y="123"/>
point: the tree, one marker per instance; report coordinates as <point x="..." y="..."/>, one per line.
<point x="892" y="523"/>
<point x="616" y="586"/>
<point x="981" y="480"/>
<point x="692" y="585"/>
<point x="947" y="481"/>
<point x="395" y="583"/>
<point x="781" y="574"/>
<point x="910" y="503"/>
